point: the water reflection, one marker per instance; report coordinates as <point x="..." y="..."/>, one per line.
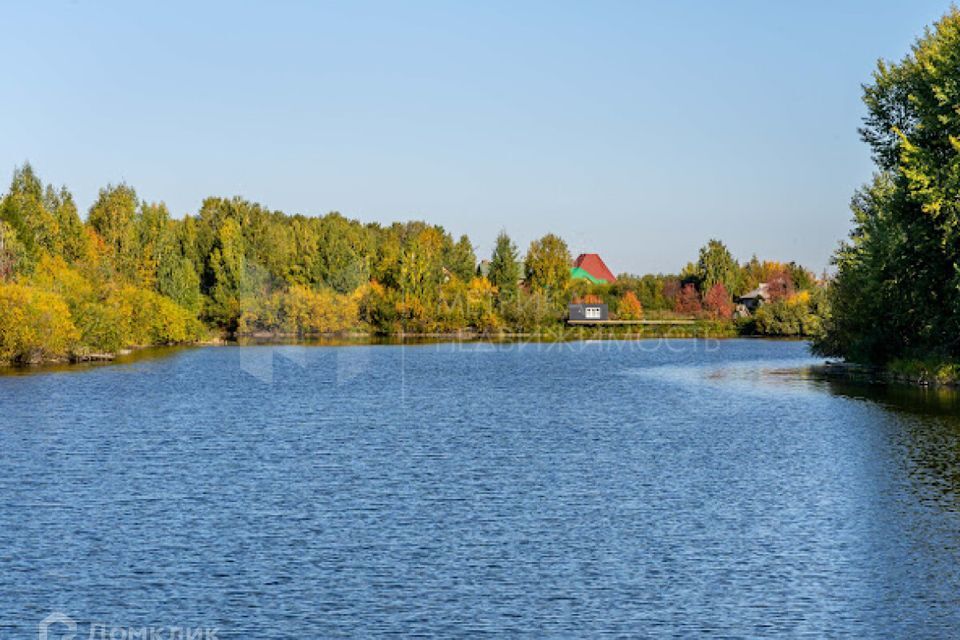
<point x="133" y="357"/>
<point x="897" y="397"/>
<point x="927" y="434"/>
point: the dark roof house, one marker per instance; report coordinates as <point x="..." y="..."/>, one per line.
<point x="588" y="312"/>
<point x="753" y="299"/>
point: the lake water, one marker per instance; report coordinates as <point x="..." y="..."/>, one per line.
<point x="633" y="488"/>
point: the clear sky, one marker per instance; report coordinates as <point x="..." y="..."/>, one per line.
<point x="634" y="129"/>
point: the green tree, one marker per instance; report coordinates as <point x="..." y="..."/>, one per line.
<point x="24" y="209"/>
<point x="421" y="266"/>
<point x="114" y="217"/>
<point x="547" y="265"/>
<point x="70" y="241"/>
<point x="341" y="259"/>
<point x="716" y="266"/>
<point x="462" y="261"/>
<point x="178" y="280"/>
<point x="897" y="288"/>
<point x="10" y="250"/>
<point x="155" y="242"/>
<point x="649" y="289"/>
<point x="505" y="267"/>
<point x="750" y="276"/>
<point x="230" y="283"/>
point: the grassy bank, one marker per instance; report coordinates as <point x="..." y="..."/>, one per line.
<point x="929" y="372"/>
<point x="926" y="372"/>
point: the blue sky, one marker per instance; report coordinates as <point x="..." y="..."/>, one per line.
<point x="634" y="129"/>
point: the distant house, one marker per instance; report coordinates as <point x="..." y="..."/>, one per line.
<point x="752" y="300"/>
<point x="588" y="312"/>
<point x="483" y="269"/>
<point x="590" y="308"/>
<point x="590" y="266"/>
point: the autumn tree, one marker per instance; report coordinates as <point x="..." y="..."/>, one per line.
<point x="135" y="275"/>
<point x="547" y="265"/>
<point x="718" y="303"/>
<point x="779" y="281"/>
<point x="481" y="296"/>
<point x="34" y="325"/>
<point x="26" y="211"/>
<point x="671" y="291"/>
<point x="10" y="250"/>
<point x="113" y="217"/>
<point x="421" y="266"/>
<point x="688" y="300"/>
<point x="630" y="307"/>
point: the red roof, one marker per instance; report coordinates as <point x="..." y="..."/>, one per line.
<point x="593" y="264"/>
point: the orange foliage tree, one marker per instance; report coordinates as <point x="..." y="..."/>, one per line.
<point x="688" y="300"/>
<point x="718" y="303"/>
<point x="630" y="307"/>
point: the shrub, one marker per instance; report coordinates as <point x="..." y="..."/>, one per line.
<point x="377" y="306"/>
<point x="148" y="318"/>
<point x="798" y="315"/>
<point x="35" y="325"/>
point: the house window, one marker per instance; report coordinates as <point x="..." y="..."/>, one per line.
<point x="592" y="313"/>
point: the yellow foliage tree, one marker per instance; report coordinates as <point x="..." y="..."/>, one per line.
<point x="109" y="316"/>
<point x="316" y="312"/>
<point x="630" y="307"/>
<point x="481" y="299"/>
<point x="35" y="325"/>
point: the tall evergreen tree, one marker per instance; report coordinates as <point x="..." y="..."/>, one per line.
<point x="505" y="267"/>
<point x="462" y="261"/>
<point x="24" y="209"/>
<point x="716" y="266"/>
<point x="71" y="240"/>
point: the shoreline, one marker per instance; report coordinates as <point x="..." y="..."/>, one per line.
<point x="904" y="373"/>
<point x="911" y="374"/>
<point x="80" y="361"/>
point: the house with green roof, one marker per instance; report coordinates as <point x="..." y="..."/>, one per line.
<point x="590" y="266"/>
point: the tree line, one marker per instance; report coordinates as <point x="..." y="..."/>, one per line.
<point x="794" y="299"/>
<point x="130" y="274"/>
<point x="896" y="293"/>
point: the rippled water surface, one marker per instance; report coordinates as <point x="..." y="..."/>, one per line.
<point x="643" y="489"/>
